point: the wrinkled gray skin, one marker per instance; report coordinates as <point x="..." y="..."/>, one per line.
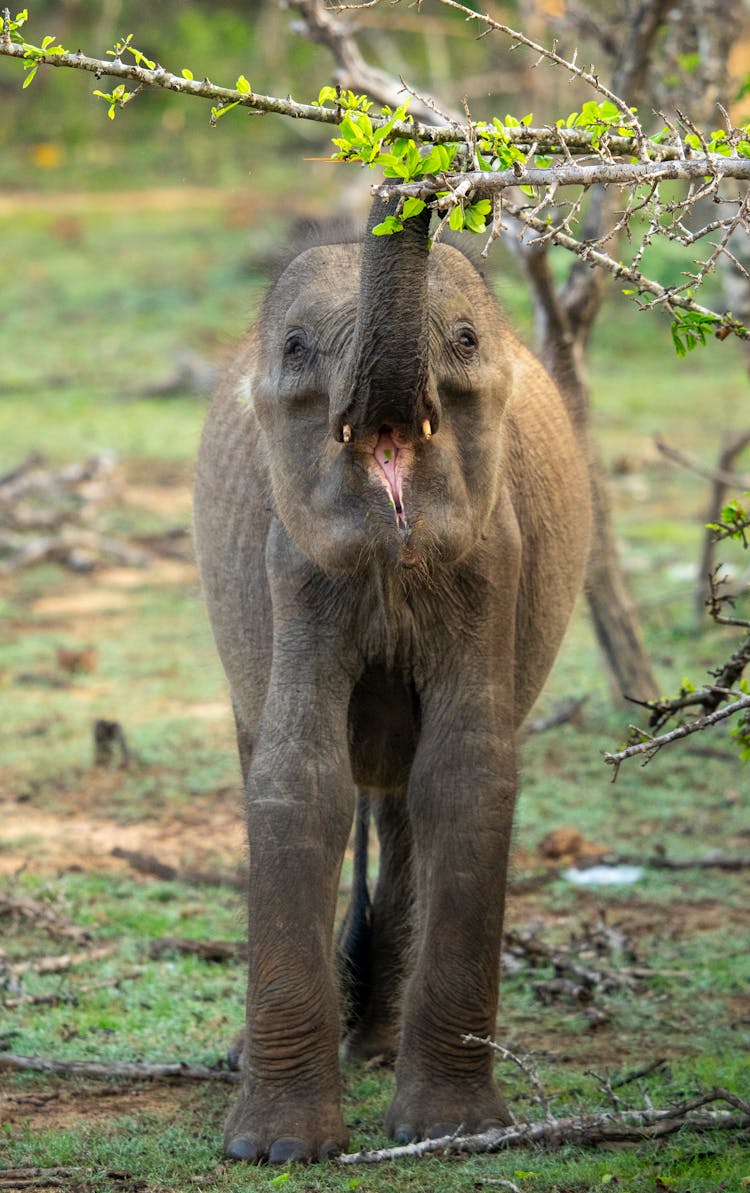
<point x="386" y="610"/>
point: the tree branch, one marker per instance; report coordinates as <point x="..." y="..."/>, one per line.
<point x="656" y="742"/>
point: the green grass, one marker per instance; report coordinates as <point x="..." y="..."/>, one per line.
<point x="92" y="311"/>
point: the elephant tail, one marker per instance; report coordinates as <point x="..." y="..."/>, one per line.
<point x="355" y="939"/>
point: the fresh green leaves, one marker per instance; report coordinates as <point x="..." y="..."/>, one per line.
<point x="598" y="118"/>
<point x="690" y="328"/>
<point x="118" y="97"/>
<point x="34" y="55"/>
<point x="125" y="46"/>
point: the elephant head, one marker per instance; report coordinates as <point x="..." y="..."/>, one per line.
<point x="380" y="385"/>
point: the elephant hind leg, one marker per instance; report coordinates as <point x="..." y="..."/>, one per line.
<point x="376" y="940"/>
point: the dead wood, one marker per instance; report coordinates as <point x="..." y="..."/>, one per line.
<point x="43" y="914"/>
<point x="568" y="710"/>
<point x="657" y="861"/>
<point x="61" y="963"/>
<point x="35" y="1177"/>
<point x="207" y="950"/>
<point x="47" y="514"/>
<point x="65" y="996"/>
<point x="586" y="1130"/>
<point x="146" y="863"/>
<point x="132" y="1070"/>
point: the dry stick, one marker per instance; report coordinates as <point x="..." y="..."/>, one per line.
<point x="138" y="1070"/>
<point x="655" y="742"/>
<point x="711" y="861"/>
<point x="207" y="950"/>
<point x="65" y="996"/>
<point x="61" y="963"/>
<point x="624" y="1126"/>
<point x="28" y="1178"/>
<point x="146" y="863"/>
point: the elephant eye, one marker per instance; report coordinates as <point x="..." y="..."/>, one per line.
<point x="296" y="345"/>
<point x="466" y="340"/>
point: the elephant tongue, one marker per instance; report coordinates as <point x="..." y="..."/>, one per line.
<point x="386" y="454"/>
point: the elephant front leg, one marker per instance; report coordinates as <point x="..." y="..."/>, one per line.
<point x="300" y="803"/>
<point x="461" y="800"/>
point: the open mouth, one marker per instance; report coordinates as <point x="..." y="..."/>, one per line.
<point x="392" y="461"/>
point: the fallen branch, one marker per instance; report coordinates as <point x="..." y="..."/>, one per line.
<point x="61" y="963"/>
<point x="65" y="996"/>
<point x="135" y="1070"/>
<point x="34" y="1177"/>
<point x="657" y="861"/>
<point x="21" y="906"/>
<point x="586" y="1130"/>
<point x="146" y="863"/>
<point x="207" y="950"/>
<point x="568" y="710"/>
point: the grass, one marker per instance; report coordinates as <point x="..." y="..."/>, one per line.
<point x="95" y="305"/>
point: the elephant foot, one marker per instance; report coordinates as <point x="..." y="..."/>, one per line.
<point x="428" y="1111"/>
<point x="276" y="1130"/>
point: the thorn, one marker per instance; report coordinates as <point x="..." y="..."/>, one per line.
<point x="346" y="433"/>
<point x="427" y="429"/>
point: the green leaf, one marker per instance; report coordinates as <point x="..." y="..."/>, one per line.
<point x="456" y="220"/>
<point x="31" y="73"/>
<point x="412" y="207"/>
<point x="186" y="74"/>
<point x="243" y="86"/>
<point x="389" y="225"/>
<point x="327" y="93"/>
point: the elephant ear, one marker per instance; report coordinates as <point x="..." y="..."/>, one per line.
<point x="390" y="379"/>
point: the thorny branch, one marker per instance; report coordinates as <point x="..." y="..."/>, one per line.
<point x="683" y="154"/>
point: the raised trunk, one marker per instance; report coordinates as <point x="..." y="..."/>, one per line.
<point x="390" y="380"/>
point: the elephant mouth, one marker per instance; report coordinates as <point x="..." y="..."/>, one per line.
<point x="393" y="459"/>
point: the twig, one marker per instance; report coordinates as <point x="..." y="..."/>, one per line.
<point x="655" y="742"/>
<point x="65" y="996"/>
<point x="719" y="475"/>
<point x="710" y="861"/>
<point x="61" y="963"/>
<point x="567" y="711"/>
<point x="138" y="1070"/>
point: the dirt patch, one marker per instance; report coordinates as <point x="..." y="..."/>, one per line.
<point x="67" y="1105"/>
<point x="207" y="834"/>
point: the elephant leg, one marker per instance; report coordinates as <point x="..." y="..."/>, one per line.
<point x="299" y="813"/>
<point x="374" y="1031"/>
<point x="461" y="798"/>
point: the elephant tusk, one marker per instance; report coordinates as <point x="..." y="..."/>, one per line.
<point x="427" y="429"/>
<point x="346" y="433"/>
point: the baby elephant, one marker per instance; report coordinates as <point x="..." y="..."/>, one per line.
<point x="391" y="517"/>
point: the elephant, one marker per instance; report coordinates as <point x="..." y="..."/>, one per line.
<point x="391" y="524"/>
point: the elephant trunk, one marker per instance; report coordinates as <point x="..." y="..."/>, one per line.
<point x="389" y="382"/>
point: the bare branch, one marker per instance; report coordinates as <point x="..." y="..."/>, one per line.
<point x="654" y="743"/>
<point x="588" y="1130"/>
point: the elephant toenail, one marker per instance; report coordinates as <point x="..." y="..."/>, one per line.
<point x="288" y="1147"/>
<point x="242" y="1148"/>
